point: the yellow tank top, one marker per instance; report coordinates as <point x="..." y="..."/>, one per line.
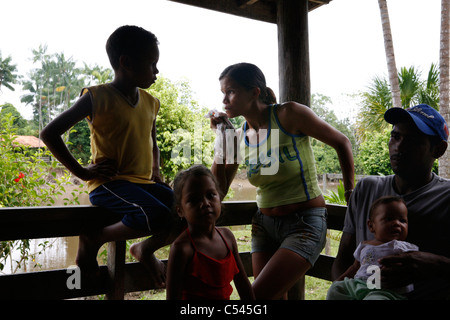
<point x="122" y="132"/>
<point x="281" y="166"/>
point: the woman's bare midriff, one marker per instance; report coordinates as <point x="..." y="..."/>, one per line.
<point x="293" y="207"/>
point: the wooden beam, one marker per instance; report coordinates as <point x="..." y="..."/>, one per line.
<point x="293" y="70"/>
<point x="293" y="51"/>
<point x="116" y="270"/>
<point x="245" y="3"/>
<point x="260" y="10"/>
<point x="48" y="222"/>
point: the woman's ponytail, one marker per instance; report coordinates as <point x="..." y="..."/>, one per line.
<point x="268" y="97"/>
<point x="250" y="76"/>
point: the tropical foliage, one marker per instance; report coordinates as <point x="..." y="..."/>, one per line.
<point x="181" y="127"/>
<point x="8" y="75"/>
<point x="51" y="87"/>
<point x="378" y="98"/>
<point x="26" y="180"/>
<point x="326" y="157"/>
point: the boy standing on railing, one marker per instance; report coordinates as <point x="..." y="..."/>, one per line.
<point x="124" y="174"/>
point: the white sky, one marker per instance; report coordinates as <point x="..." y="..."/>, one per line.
<point x="346" y="42"/>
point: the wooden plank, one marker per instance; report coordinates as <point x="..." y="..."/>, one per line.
<point x="322" y="268"/>
<point x="261" y="10"/>
<point x="48" y="222"/>
<point x="244" y="3"/>
<point x="336" y="214"/>
<point x="237" y="213"/>
<point x="50" y="285"/>
<point x="116" y="270"/>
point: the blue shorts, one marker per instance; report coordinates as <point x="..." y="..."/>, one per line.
<point x="303" y="233"/>
<point x="146" y="207"/>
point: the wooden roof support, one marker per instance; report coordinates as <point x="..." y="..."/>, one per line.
<point x="245" y="3"/>
<point x="262" y="10"/>
<point x="293" y="51"/>
<point x="293" y="70"/>
<point x="257" y="10"/>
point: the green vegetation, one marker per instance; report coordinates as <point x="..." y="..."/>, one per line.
<point x="27" y="180"/>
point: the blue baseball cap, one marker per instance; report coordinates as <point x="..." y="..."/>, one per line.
<point x="426" y="118"/>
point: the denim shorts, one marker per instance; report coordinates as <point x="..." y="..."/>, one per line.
<point x="303" y="233"/>
<point x="146" y="207"/>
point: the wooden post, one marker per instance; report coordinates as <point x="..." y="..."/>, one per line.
<point x="116" y="267"/>
<point x="293" y="70"/>
<point x="293" y="51"/>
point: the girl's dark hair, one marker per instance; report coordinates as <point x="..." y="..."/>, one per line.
<point x="128" y="40"/>
<point x="249" y="76"/>
<point x="384" y="200"/>
<point x="183" y="176"/>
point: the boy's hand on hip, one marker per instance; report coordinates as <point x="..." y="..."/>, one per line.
<point x="105" y="169"/>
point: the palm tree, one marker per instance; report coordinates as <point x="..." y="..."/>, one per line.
<point x="98" y="74"/>
<point x="53" y="87"/>
<point x="378" y="97"/>
<point x="444" y="161"/>
<point x="389" y="49"/>
<point x="414" y="91"/>
<point x="7" y="73"/>
<point x="375" y="101"/>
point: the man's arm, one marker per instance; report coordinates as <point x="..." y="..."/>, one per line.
<point x="410" y="266"/>
<point x="344" y="258"/>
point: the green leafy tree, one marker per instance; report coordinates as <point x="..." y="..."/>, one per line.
<point x="374" y="154"/>
<point x="326" y="158"/>
<point x="26" y="180"/>
<point x="52" y="87"/>
<point x="378" y="98"/>
<point x="181" y="126"/>
<point x="8" y="75"/>
<point x="97" y="74"/>
<point x="19" y="121"/>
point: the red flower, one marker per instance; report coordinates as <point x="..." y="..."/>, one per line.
<point x="21" y="176"/>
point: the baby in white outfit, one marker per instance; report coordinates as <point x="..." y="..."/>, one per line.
<point x="388" y="221"/>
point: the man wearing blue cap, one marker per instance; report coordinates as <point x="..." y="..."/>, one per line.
<point x="419" y="136"/>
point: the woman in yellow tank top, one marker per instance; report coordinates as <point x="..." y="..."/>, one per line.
<point x="289" y="229"/>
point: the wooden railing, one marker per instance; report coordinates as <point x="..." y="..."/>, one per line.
<point x="116" y="277"/>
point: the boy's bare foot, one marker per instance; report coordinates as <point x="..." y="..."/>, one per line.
<point x="155" y="266"/>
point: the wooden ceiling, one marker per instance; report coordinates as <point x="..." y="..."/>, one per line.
<point x="262" y="10"/>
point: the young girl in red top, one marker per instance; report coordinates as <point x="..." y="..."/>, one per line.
<point x="204" y="259"/>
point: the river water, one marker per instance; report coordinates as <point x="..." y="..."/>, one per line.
<point x="62" y="252"/>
